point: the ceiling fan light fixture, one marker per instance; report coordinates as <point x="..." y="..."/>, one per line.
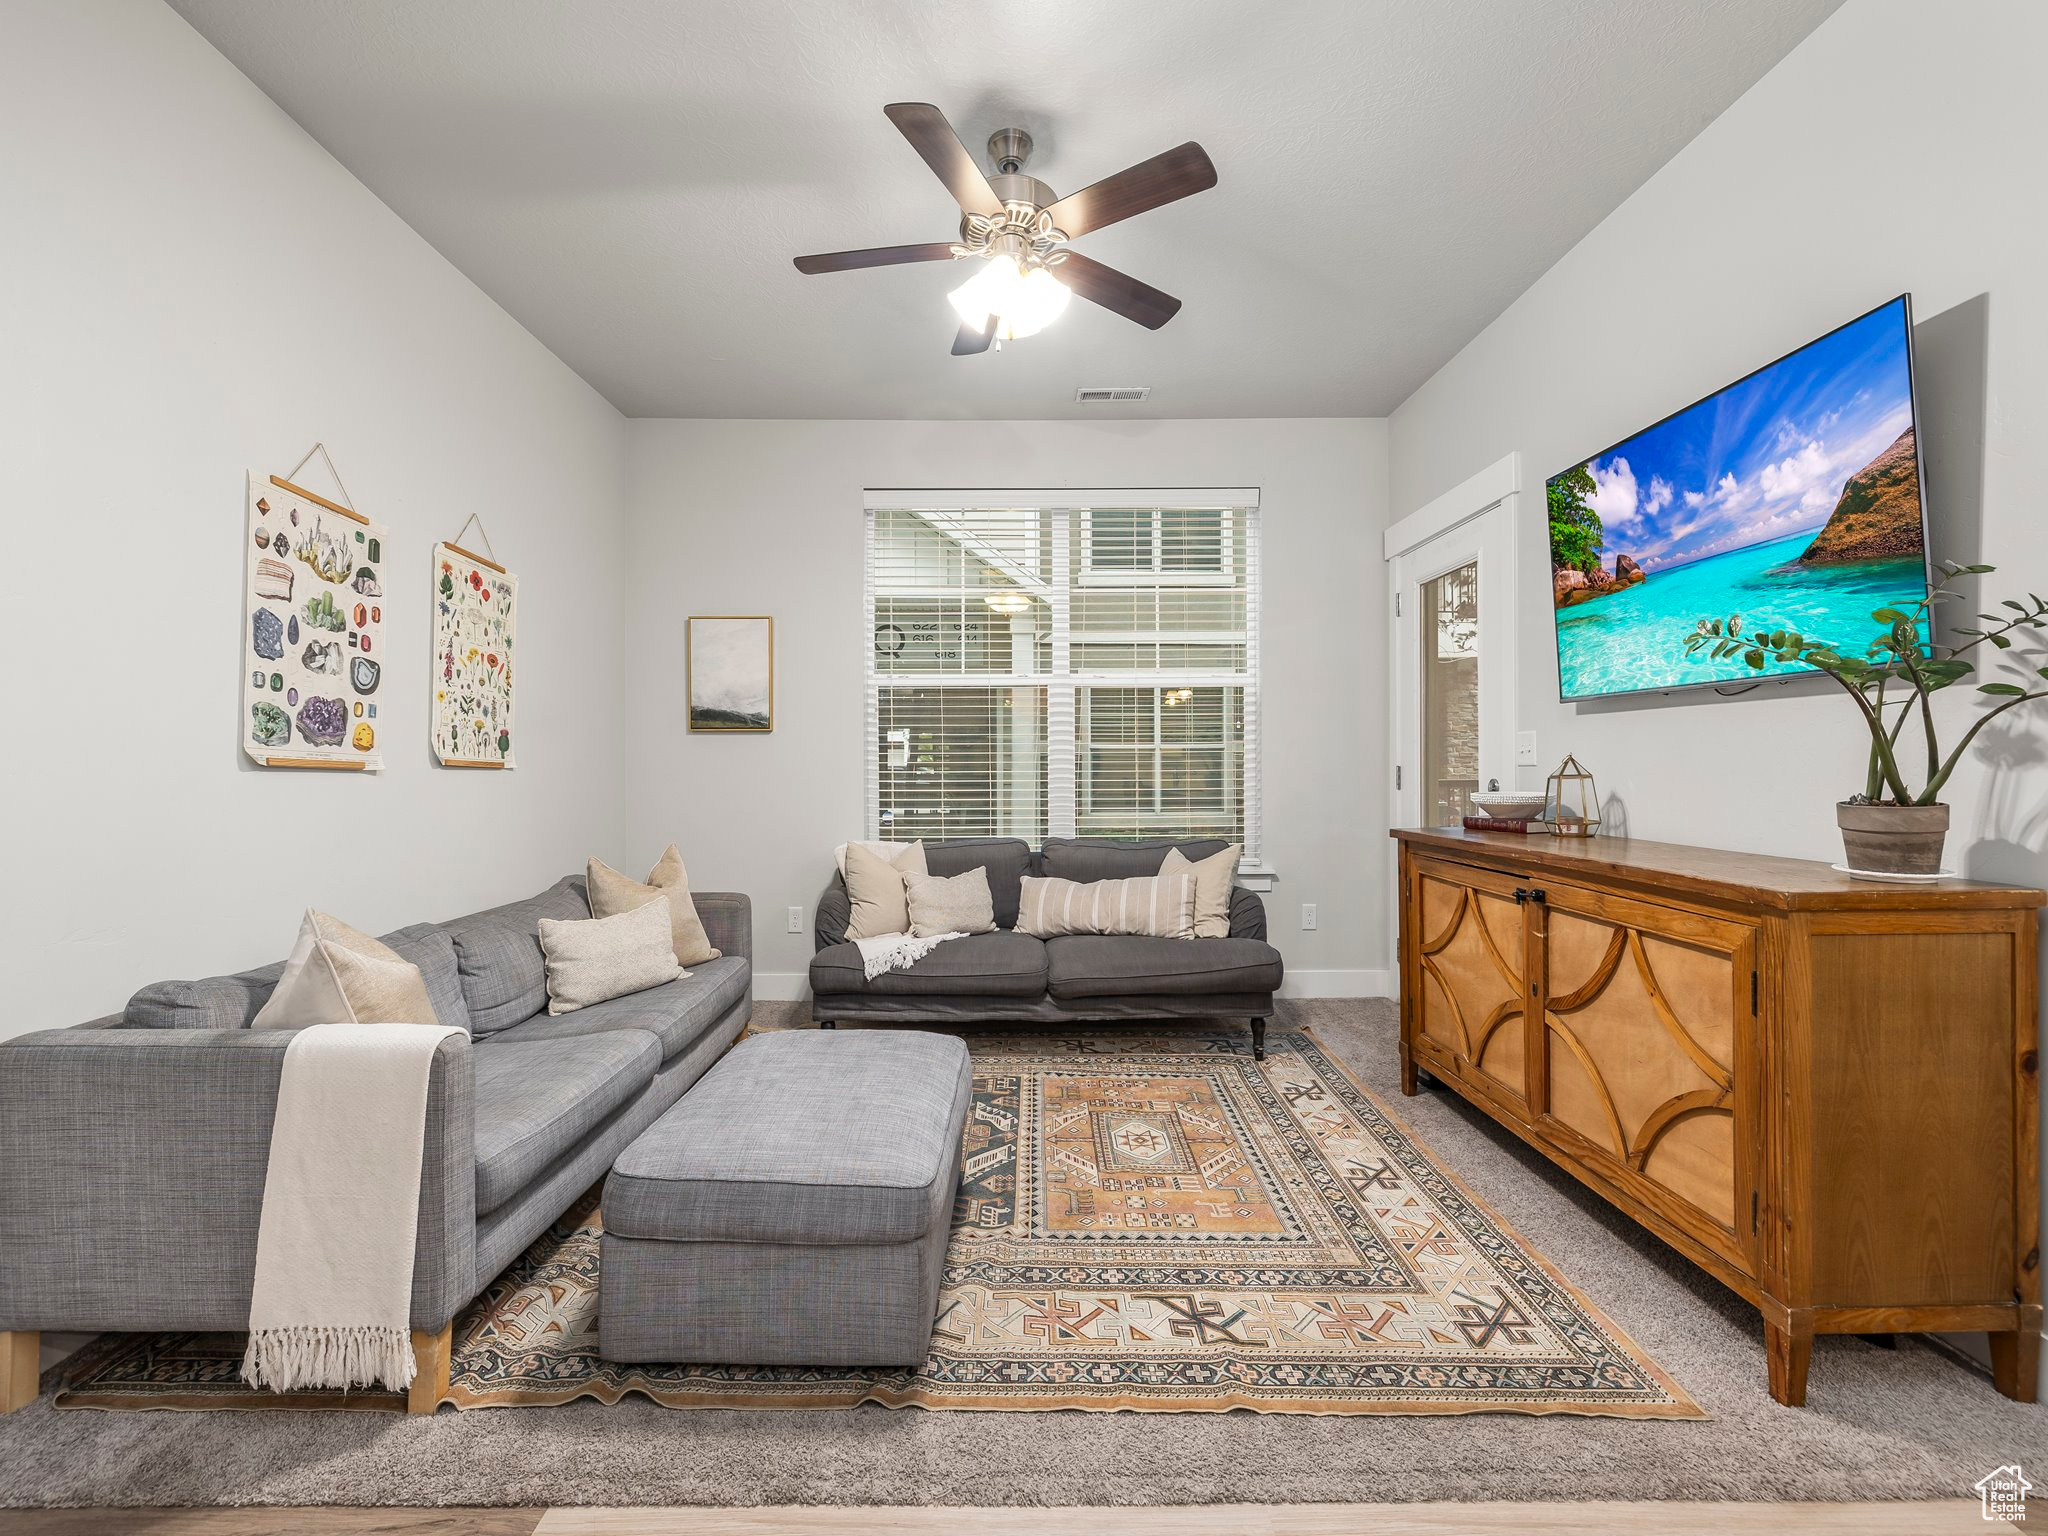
<point x="1023" y="300"/>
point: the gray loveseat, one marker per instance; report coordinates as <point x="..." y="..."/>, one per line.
<point x="133" y="1149"/>
<point x="1011" y="976"/>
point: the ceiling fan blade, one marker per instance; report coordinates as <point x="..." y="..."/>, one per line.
<point x="971" y="341"/>
<point x="880" y="256"/>
<point x="1164" y="178"/>
<point x="933" y="138"/>
<point x="1114" y="290"/>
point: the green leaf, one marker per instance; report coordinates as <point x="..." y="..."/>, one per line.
<point x="1890" y="616"/>
<point x="1755" y="659"/>
<point x="1979" y="570"/>
<point x="2000" y="641"/>
<point x="2007" y="690"/>
<point x="2015" y="607"/>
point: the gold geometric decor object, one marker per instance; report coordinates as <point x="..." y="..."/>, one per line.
<point x="1571" y="804"/>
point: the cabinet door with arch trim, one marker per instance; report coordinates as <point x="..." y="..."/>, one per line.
<point x="1471" y="981"/>
<point x="1648" y="1055"/>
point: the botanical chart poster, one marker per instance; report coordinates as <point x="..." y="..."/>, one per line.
<point x="312" y="631"/>
<point x="474" y="605"/>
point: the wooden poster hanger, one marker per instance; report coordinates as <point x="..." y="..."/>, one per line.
<point x="284" y="483"/>
<point x="483" y="538"/>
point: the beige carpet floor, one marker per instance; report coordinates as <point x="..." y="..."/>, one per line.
<point x="1906" y="1423"/>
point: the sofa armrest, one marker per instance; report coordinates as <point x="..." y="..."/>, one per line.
<point x="831" y="915"/>
<point x="728" y="919"/>
<point x="132" y="1164"/>
<point x="1247" y="914"/>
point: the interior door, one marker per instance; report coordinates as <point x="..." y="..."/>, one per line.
<point x="1453" y="671"/>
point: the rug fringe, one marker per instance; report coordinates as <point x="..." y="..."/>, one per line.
<point x="288" y="1359"/>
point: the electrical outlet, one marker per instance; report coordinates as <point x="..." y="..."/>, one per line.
<point x="796" y="919"/>
<point x="1308" y="917"/>
<point x="1525" y="749"/>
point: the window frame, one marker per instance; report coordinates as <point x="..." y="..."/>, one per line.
<point x="1052" y="667"/>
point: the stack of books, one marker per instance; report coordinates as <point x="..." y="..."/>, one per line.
<point x="1495" y="824"/>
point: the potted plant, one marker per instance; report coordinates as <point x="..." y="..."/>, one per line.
<point x="1892" y="827"/>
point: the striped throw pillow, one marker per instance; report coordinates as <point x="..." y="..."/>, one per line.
<point x="1157" y="906"/>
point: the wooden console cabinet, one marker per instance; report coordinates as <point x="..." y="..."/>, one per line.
<point x="1823" y="1091"/>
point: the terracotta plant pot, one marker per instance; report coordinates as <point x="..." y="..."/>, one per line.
<point x="1893" y="839"/>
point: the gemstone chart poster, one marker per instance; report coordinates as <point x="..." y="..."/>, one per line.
<point x="312" y="632"/>
<point x="474" y="605"/>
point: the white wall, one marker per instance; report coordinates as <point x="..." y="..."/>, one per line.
<point x="1898" y="148"/>
<point x="190" y="286"/>
<point x="765" y="517"/>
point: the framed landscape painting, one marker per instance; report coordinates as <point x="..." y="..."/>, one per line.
<point x="731" y="667"/>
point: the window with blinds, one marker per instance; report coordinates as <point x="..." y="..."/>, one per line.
<point x="1088" y="668"/>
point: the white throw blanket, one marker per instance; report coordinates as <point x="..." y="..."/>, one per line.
<point x="896" y="951"/>
<point x="341" y="1202"/>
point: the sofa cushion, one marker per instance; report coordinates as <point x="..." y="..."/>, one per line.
<point x="536" y="1100"/>
<point x="1128" y="966"/>
<point x="1106" y="858"/>
<point x="231" y="1002"/>
<point x="504" y="974"/>
<point x="801" y="1136"/>
<point x="1007" y="859"/>
<point x="677" y="1014"/>
<point x="1000" y="964"/>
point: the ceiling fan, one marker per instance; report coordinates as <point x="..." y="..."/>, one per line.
<point x="1020" y="231"/>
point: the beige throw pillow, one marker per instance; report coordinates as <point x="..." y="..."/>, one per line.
<point x="888" y="852"/>
<point x="612" y="893"/>
<point x="1156" y="906"/>
<point x="1214" y="877"/>
<point x="950" y="904"/>
<point x="877" y="888"/>
<point x="592" y="960"/>
<point x="338" y="976"/>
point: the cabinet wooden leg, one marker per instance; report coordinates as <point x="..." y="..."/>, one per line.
<point x="1790" y="1351"/>
<point x="432" y="1357"/>
<point x="2016" y="1363"/>
<point x="21" y="1368"/>
<point x="1409" y="1084"/>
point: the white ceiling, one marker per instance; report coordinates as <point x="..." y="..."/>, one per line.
<point x="630" y="178"/>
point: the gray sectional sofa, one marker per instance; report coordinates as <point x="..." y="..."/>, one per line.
<point x="1012" y="976"/>
<point x="133" y="1149"/>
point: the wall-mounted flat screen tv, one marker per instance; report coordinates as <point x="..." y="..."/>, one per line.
<point x="1793" y="498"/>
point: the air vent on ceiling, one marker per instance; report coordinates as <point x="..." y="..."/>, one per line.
<point x="1116" y="395"/>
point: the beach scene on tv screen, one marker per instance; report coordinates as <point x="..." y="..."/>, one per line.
<point x="1791" y="499"/>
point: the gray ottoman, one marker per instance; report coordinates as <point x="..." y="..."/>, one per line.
<point x="792" y="1208"/>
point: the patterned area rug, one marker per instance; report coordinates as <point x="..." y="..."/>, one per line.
<point x="1160" y="1225"/>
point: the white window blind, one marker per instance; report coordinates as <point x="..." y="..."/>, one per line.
<point x="1061" y="664"/>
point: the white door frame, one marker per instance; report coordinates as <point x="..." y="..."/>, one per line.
<point x="1475" y="520"/>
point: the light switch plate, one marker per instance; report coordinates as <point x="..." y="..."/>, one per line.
<point x="796" y="919"/>
<point x="1525" y="749"/>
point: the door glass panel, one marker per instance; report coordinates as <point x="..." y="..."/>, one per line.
<point x="1450" y="694"/>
